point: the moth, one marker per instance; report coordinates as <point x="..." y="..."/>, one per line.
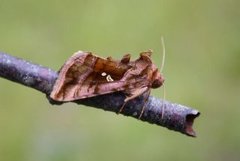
<point x="87" y="75"/>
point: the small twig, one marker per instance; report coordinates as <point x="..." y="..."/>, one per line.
<point x="176" y="117"/>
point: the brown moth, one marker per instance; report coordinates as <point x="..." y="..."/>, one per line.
<point x="87" y="75"/>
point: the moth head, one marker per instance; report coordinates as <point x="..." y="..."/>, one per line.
<point x="158" y="79"/>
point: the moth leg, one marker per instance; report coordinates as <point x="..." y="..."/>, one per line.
<point x="145" y="100"/>
<point x="120" y="111"/>
<point x="164" y="95"/>
<point x="134" y="94"/>
<point x="163" y="110"/>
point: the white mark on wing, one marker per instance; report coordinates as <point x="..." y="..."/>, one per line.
<point x="108" y="76"/>
<point x="104" y="74"/>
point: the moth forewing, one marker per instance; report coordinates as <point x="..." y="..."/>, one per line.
<point x="82" y="76"/>
<point x="87" y="75"/>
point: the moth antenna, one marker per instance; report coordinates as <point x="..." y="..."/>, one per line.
<point x="164" y="98"/>
<point x="164" y="53"/>
<point x="164" y="92"/>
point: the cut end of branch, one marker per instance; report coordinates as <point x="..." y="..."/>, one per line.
<point x="189" y="123"/>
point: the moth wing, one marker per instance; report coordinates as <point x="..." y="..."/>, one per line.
<point x="80" y="77"/>
<point x="126" y="59"/>
<point x="63" y="87"/>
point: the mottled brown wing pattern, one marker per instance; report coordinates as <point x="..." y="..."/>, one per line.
<point x="87" y="75"/>
<point x="82" y="77"/>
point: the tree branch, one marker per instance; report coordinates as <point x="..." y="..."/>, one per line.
<point x="157" y="111"/>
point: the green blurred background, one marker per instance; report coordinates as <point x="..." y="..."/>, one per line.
<point x="202" y="71"/>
